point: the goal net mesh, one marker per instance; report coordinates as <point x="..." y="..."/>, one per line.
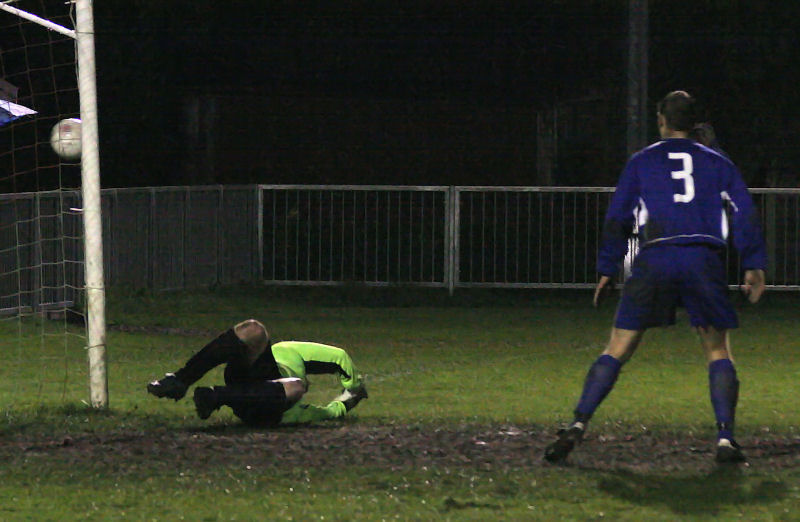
<point x="42" y="317"/>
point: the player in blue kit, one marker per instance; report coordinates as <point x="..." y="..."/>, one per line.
<point x="676" y="191"/>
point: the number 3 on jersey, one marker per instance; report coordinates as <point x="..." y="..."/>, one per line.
<point x="684" y="174"/>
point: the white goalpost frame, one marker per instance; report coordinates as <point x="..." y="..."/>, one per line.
<point x="90" y="191"/>
<point x="92" y="222"/>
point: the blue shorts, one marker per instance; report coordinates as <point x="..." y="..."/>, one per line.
<point x="667" y="276"/>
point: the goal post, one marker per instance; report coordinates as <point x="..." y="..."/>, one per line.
<point x="90" y="189"/>
<point x="94" y="286"/>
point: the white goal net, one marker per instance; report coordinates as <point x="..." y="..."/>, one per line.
<point x="45" y="314"/>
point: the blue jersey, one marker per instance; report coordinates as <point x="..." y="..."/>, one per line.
<point x="675" y="191"/>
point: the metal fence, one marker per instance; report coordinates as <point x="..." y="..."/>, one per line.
<point x="780" y="216"/>
<point x="41" y="250"/>
<point x="376" y="235"/>
<point x="156" y="238"/>
<point x="457" y="237"/>
<point x="169" y="238"/>
<point x="528" y="236"/>
<point x="549" y="236"/>
<point x="187" y="237"/>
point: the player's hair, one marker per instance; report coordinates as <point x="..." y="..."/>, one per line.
<point x="704" y="134"/>
<point x="253" y="334"/>
<point x="678" y="110"/>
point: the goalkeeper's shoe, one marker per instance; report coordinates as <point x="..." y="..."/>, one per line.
<point x="567" y="439"/>
<point x="168" y="386"/>
<point x="206" y="401"/>
<point x="729" y="452"/>
<point x="352" y="397"/>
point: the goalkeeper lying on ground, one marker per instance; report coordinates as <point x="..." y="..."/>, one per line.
<point x="264" y="382"/>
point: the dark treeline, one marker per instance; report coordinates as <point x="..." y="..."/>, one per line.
<point x="196" y="92"/>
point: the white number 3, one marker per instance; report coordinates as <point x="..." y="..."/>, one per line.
<point x="684" y="174"/>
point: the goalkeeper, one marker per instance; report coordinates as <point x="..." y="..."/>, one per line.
<point x="264" y="382"/>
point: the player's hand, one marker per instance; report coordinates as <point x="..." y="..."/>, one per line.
<point x="754" y="285"/>
<point x="604" y="287"/>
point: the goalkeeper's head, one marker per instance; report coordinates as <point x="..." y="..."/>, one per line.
<point x="255" y="336"/>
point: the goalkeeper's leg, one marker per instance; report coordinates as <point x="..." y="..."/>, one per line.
<point x="239" y="347"/>
<point x="303" y="413"/>
<point x="256" y="403"/>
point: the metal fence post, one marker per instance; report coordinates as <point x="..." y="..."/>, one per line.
<point x="260" y="233"/>
<point x="221" y="235"/>
<point x="447" y="258"/>
<point x="771" y="234"/>
<point x="153" y="246"/>
<point x="185" y="220"/>
<point x="451" y="243"/>
<point x="37" y="296"/>
<point x="456" y="237"/>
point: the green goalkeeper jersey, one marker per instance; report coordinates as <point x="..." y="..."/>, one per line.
<point x="301" y="358"/>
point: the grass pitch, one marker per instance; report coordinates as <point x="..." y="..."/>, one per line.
<point x="465" y="392"/>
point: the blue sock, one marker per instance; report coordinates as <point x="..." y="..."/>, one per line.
<point x="724" y="387"/>
<point x="599" y="381"/>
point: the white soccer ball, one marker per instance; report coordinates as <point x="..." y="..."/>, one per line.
<point x="65" y="138"/>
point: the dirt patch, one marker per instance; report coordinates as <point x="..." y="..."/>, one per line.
<point x="398" y="447"/>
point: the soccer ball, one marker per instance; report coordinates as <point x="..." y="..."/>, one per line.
<point x="65" y="138"/>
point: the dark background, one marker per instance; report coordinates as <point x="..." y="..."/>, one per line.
<point x="200" y="92"/>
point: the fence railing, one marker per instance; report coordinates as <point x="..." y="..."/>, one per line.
<point x="186" y="237"/>
<point x="780" y="216"/>
<point x="455" y="237"/>
<point x="333" y="234"/>
<point x="181" y="237"/>
<point x="41" y="250"/>
<point x="528" y="236"/>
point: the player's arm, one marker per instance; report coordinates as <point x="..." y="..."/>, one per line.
<point x="748" y="238"/>
<point x="618" y="224"/>
<point x="322" y="358"/>
<point x="617" y="228"/>
<point x="604" y="286"/>
<point x="754" y="284"/>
